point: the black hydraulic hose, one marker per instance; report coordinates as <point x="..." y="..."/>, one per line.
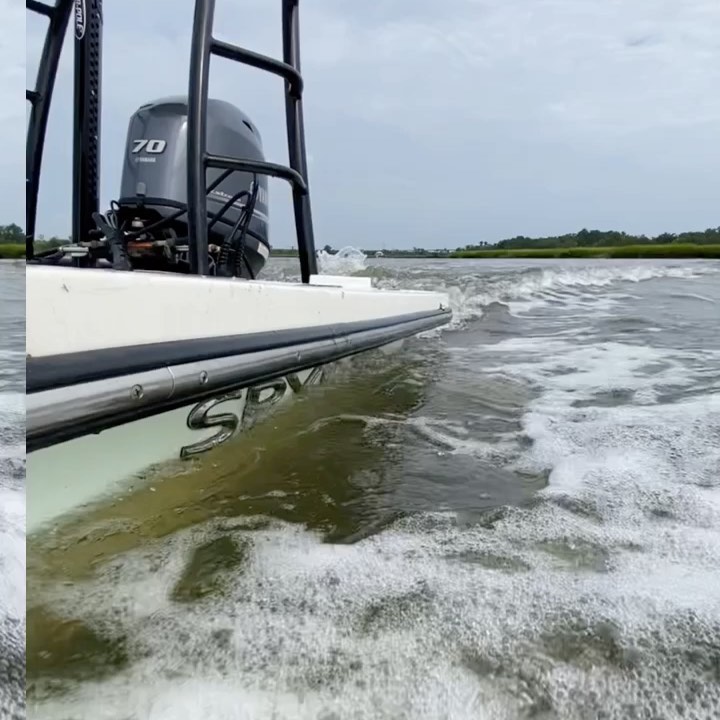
<point x="237" y="196"/>
<point x="228" y="248"/>
<point x="249" y="211"/>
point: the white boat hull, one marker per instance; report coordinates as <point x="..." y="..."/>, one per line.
<point x="126" y="370"/>
<point x="64" y="478"/>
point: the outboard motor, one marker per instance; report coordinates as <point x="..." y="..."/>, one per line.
<point x="147" y="228"/>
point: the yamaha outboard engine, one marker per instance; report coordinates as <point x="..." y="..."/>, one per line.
<point x="147" y="228"/>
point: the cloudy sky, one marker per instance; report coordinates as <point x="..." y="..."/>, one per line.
<point x="428" y="123"/>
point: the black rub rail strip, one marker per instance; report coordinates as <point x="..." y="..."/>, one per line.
<point x="56" y="371"/>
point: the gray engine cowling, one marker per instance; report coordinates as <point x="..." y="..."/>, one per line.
<point x="154" y="182"/>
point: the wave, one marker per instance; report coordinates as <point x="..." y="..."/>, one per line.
<point x="527" y="288"/>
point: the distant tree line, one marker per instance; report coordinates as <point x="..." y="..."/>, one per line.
<point x="602" y="238"/>
<point x="13" y="234"/>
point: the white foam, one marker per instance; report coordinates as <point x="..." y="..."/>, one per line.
<point x="572" y="283"/>
<point x="12" y="554"/>
<point x="346" y="261"/>
<point x="12" y="560"/>
<point x="407" y="624"/>
<point x="12" y="404"/>
<point x="12" y="507"/>
<point x="395" y="627"/>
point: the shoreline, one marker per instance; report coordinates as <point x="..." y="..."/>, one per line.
<point x="649" y="252"/>
<point x="13" y="252"/>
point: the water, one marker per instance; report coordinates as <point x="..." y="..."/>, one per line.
<point x="12" y="490"/>
<point x="515" y="517"/>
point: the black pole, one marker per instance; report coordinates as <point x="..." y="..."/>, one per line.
<point x="296" y="143"/>
<point x="86" y="142"/>
<point x="40" y="99"/>
<point x="202" y="47"/>
<point x="197" y="135"/>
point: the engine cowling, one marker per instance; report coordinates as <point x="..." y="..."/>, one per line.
<point x="154" y="184"/>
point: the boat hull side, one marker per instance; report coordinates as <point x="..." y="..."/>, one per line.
<point x="64" y="477"/>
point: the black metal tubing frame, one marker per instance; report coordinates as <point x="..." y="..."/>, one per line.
<point x="39" y="99"/>
<point x="86" y="111"/>
<point x="199" y="160"/>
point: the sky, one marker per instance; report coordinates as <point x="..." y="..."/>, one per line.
<point x="429" y="124"/>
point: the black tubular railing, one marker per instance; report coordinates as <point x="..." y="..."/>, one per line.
<point x="199" y="161"/>
<point x="39" y="99"/>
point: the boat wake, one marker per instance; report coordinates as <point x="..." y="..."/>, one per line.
<point x="473" y="286"/>
<point x="535" y="532"/>
<point x="12" y="556"/>
<point x="346" y="261"/>
<point x="12" y="493"/>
